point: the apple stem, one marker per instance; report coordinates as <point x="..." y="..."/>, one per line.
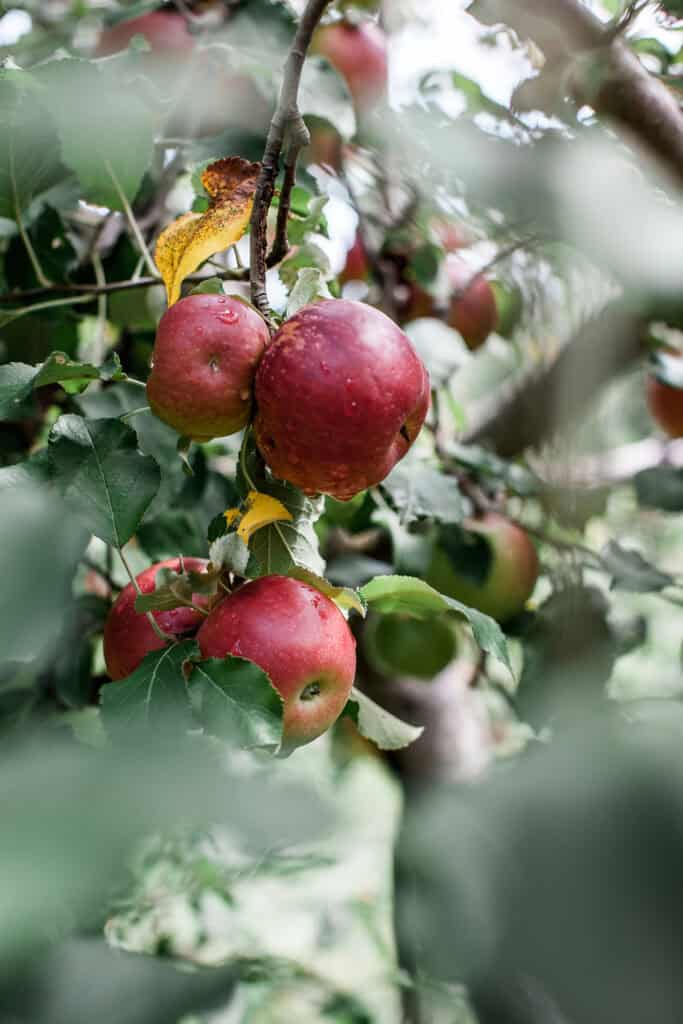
<point x="152" y="621"/>
<point x="286" y="124"/>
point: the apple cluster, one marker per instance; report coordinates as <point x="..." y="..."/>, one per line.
<point x="289" y="629"/>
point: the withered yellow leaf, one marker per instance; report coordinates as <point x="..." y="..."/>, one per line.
<point x="256" y="511"/>
<point x="191" y="239"/>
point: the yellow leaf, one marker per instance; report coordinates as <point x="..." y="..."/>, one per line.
<point x="194" y="237"/>
<point x="256" y="511"/>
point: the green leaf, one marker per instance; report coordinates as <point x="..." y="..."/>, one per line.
<point x="310" y="285"/>
<point x="107" y="482"/>
<point x="230" y="553"/>
<point x="486" y="463"/>
<point x="307" y="255"/>
<point x="154" y="696"/>
<point x="390" y="594"/>
<point x="106" y="131"/>
<point x="425" y="262"/>
<point x="346" y="597"/>
<point x="212" y="286"/>
<point x="420" y="491"/>
<point x="630" y="571"/>
<point x="234" y="699"/>
<point x="298" y="228"/>
<point x="661" y="487"/>
<point x="17" y="380"/>
<point x="378" y="725"/>
<point x="412" y="552"/>
<point x="283" y="546"/>
<point x="29" y="161"/>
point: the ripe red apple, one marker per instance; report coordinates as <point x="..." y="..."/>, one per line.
<point x="165" y="31"/>
<point x="512" y="572"/>
<point x="356" y="267"/>
<point x="128" y="635"/>
<point x="341" y="395"/>
<point x="205" y="356"/>
<point x="299" y="638"/>
<point x="474" y="313"/>
<point x="359" y="53"/>
<point x="452" y="236"/>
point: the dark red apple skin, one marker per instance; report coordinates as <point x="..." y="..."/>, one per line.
<point x="298" y="637"/>
<point x="128" y="635"/>
<point x="359" y="53"/>
<point x="341" y="395"/>
<point x="356" y="267"/>
<point x="475" y="314"/>
<point x="165" y="31"/>
<point x="205" y="356"/>
<point x="666" y="406"/>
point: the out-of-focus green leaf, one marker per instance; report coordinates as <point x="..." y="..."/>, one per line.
<point x="421" y="491"/>
<point x="630" y="571"/>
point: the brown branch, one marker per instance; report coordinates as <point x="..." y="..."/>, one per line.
<point x="619" y="465"/>
<point x="287" y="124"/>
<point x="626" y="93"/>
<point x="549" y="398"/>
<point x="112" y="286"/>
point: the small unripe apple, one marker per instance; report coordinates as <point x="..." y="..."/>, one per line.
<point x="473" y="314"/>
<point x="301" y="641"/>
<point x="512" y="571"/>
<point x="205" y="356"/>
<point x="341" y="395"/>
<point x="128" y="635"/>
<point x="359" y="53"/>
<point x="356" y="267"/>
<point x="165" y="31"/>
<point x="666" y="406"/>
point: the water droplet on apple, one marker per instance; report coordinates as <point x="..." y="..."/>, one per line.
<point x="229" y="317"/>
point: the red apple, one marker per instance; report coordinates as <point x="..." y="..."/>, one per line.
<point x="128" y="635"/>
<point x="512" y="572"/>
<point x="165" y="31"/>
<point x="474" y="313"/>
<point x="359" y="53"/>
<point x="299" y="638"/>
<point x="666" y="406"/>
<point x="451" y="236"/>
<point x="356" y="267"/>
<point x="205" y="356"/>
<point x="341" y="395"/>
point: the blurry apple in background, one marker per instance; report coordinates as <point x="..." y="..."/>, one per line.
<point x="356" y="267"/>
<point x="301" y="641"/>
<point x="473" y="313"/>
<point x="205" y="356"/>
<point x="510" y="564"/>
<point x="341" y="395"/>
<point x="325" y="148"/>
<point x="165" y="32"/>
<point x="359" y="54"/>
<point x="665" y="403"/>
<point x="128" y="635"/>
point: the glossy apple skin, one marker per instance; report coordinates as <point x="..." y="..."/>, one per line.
<point x="128" y="635"/>
<point x="341" y="395"/>
<point x="356" y="267"/>
<point x="298" y="637"/>
<point x="165" y="31"/>
<point x="205" y="356"/>
<point x="666" y="406"/>
<point x="475" y="314"/>
<point x="512" y="576"/>
<point x="359" y="53"/>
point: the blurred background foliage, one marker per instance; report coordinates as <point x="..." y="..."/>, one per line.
<point x="519" y="862"/>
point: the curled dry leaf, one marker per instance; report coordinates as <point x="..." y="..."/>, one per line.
<point x="194" y="237"/>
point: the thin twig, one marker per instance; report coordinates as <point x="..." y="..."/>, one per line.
<point x="130" y="216"/>
<point x="287" y="123"/>
<point x="502" y="255"/>
<point x="91" y="290"/>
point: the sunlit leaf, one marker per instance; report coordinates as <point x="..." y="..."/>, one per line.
<point x="380" y="726"/>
